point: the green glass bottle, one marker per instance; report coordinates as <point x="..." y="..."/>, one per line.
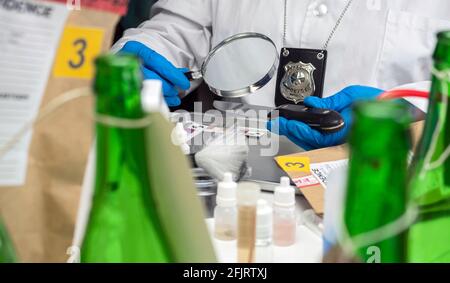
<point x="429" y="187"/>
<point x="7" y="253"/>
<point x="376" y="190"/>
<point x="123" y="226"/>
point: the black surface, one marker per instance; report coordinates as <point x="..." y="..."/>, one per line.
<point x="306" y="56"/>
<point x="263" y="168"/>
<point x="323" y="120"/>
<point x="225" y="272"/>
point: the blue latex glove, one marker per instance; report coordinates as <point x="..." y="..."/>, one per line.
<point x="307" y="138"/>
<point x="156" y="67"/>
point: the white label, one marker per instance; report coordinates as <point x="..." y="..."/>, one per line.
<point x="252" y="132"/>
<point x="321" y="171"/>
<point x="304" y="182"/>
<point x="29" y="37"/>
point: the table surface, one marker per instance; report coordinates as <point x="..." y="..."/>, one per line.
<point x="261" y="160"/>
<point x="265" y="171"/>
<point x="307" y="249"/>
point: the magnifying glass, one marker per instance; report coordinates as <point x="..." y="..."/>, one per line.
<point x="239" y="65"/>
<point x="244" y="63"/>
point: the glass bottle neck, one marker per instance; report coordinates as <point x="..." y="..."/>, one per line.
<point x="117" y="86"/>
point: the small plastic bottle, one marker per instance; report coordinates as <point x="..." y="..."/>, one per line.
<point x="179" y="137"/>
<point x="284" y="216"/>
<point x="264" y="223"/>
<point x="225" y="213"/>
<point x="264" y="226"/>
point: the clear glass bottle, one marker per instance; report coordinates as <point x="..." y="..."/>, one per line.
<point x="225" y="213"/>
<point x="284" y="216"/>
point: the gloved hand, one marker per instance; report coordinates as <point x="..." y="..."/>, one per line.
<point x="307" y="138"/>
<point x="156" y="67"/>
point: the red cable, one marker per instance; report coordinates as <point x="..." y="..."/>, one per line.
<point x="401" y="93"/>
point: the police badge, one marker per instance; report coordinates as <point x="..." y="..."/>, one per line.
<point x="298" y="81"/>
<point x="301" y="74"/>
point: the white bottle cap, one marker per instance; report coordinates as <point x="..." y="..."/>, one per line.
<point x="284" y="193"/>
<point x="179" y="137"/>
<point x="264" y="216"/>
<point x="226" y="191"/>
<point x="248" y="193"/>
<point x="181" y="133"/>
<point x="185" y="148"/>
<point x="152" y="98"/>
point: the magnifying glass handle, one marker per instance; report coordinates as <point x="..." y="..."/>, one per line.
<point x="193" y="75"/>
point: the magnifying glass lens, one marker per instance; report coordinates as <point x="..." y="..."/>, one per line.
<point x="240" y="65"/>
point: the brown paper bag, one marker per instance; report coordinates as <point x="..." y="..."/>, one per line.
<point x="315" y="193"/>
<point x="40" y="215"/>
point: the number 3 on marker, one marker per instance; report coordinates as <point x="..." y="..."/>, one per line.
<point x="294" y="163"/>
<point x="297" y="165"/>
<point x="77" y="51"/>
<point x="81" y="45"/>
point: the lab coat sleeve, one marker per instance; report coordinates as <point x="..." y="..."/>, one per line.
<point x="420" y="103"/>
<point x="179" y="30"/>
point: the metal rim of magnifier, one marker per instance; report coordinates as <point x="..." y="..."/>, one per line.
<point x="248" y="89"/>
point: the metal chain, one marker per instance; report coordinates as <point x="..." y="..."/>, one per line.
<point x="333" y="31"/>
<point x="285" y="23"/>
<point x="341" y="17"/>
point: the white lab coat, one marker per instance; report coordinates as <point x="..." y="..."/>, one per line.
<point x="380" y="43"/>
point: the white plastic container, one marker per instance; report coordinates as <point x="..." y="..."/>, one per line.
<point x="264" y="226"/>
<point x="284" y="216"/>
<point x="264" y="223"/>
<point x="225" y="213"/>
<point x="180" y="137"/>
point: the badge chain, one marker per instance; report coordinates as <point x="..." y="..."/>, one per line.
<point x="320" y="56"/>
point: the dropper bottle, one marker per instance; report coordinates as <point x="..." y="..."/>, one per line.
<point x="225" y="213"/>
<point x="180" y="137"/>
<point x="284" y="217"/>
<point x="264" y="223"/>
<point x="264" y="226"/>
